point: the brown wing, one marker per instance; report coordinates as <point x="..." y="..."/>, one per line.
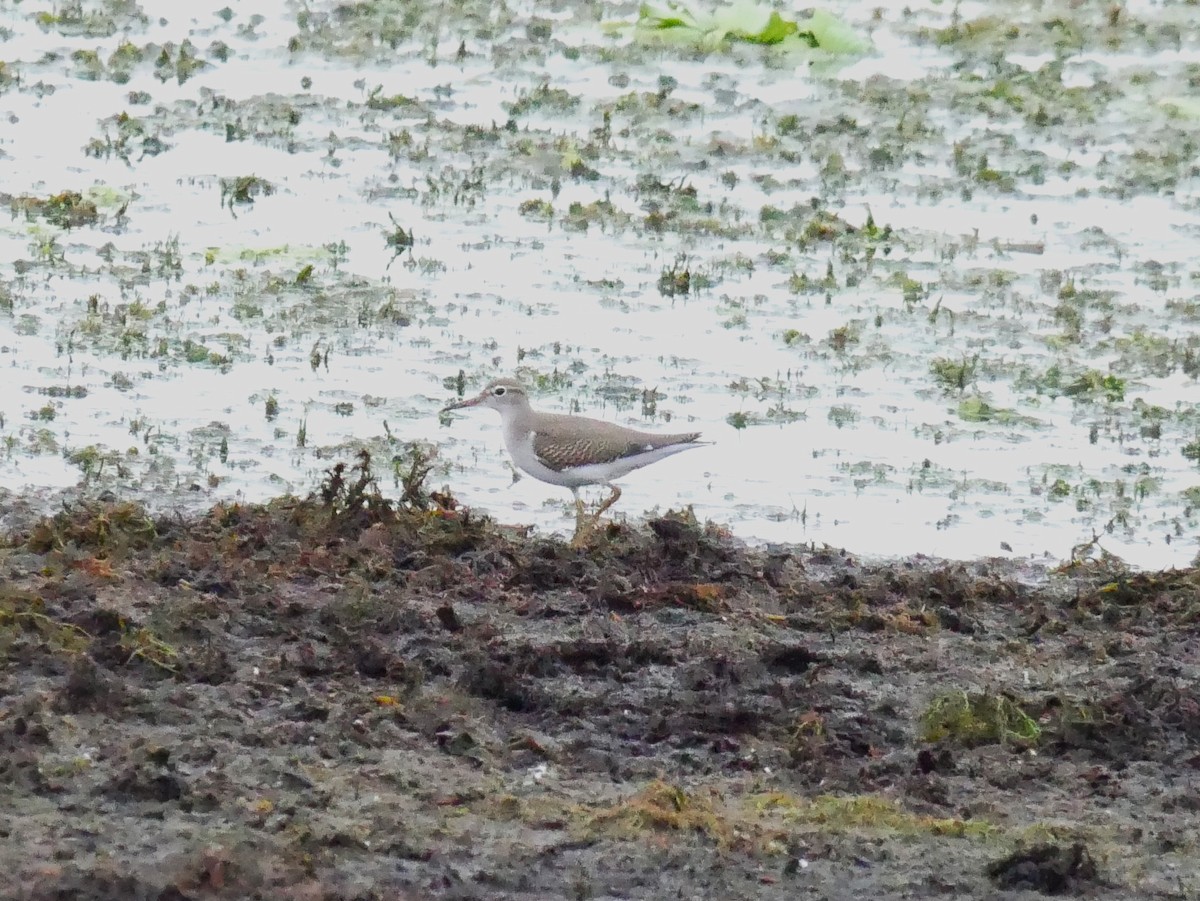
<point x="559" y="442"/>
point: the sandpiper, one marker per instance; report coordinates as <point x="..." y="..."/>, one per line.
<point x="573" y="451"/>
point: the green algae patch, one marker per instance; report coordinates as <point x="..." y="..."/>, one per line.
<point x="976" y="408"/>
<point x="977" y="718"/>
<point x="684" y="24"/>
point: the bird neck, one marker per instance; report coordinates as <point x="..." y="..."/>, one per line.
<point x="517" y="417"/>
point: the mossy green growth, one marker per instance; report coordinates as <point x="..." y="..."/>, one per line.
<point x="865" y="813"/>
<point x="746" y="21"/>
<point x="535" y="208"/>
<point x="101" y="529"/>
<point x="977" y="718"/>
<point x="88" y="65"/>
<point x="792" y="337"/>
<point x="543" y="98"/>
<point x="1094" y="384"/>
<point x="954" y="375"/>
<point x="23" y="614"/>
<point x="975" y="408"/>
<point x="244" y="188"/>
<point x="1059" y="489"/>
<point x="662" y="808"/>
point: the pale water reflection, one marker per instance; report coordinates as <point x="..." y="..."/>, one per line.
<point x="139" y="352"/>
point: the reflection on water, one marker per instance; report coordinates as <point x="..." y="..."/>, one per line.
<point x="842" y="236"/>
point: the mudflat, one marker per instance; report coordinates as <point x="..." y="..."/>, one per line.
<point x="345" y="697"/>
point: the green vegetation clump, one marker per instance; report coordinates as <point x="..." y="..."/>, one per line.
<point x="1092" y="385"/>
<point x="543" y="98"/>
<point x="243" y="189"/>
<point x="68" y="209"/>
<point x="101" y="529"/>
<point x="682" y="24"/>
<point x="536" y="208"/>
<point x="977" y="718"/>
<point x="661" y="807"/>
<point x="866" y="813"/>
<point x="954" y="375"/>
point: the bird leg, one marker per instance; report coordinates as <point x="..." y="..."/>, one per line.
<point x="612" y="499"/>
<point x="578" y="513"/>
<point x="582" y="528"/>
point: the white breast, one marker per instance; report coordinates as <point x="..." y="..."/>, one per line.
<point x="520" y="448"/>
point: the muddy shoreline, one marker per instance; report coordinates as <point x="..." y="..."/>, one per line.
<point x="342" y="697"/>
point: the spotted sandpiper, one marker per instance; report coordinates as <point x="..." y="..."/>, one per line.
<point x="573" y="451"/>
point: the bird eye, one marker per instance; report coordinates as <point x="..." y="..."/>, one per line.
<point x="499" y="392"/>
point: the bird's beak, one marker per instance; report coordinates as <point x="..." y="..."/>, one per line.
<point x="458" y="405"/>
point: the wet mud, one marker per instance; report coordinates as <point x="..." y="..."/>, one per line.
<point x="344" y="697"/>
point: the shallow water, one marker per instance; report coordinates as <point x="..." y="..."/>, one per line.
<point x="1045" y="253"/>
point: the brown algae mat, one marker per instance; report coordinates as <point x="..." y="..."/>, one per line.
<point x="343" y="697"/>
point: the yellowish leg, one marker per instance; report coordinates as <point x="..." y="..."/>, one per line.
<point x="584" y="529"/>
<point x="612" y="499"/>
<point x="579" y="529"/>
